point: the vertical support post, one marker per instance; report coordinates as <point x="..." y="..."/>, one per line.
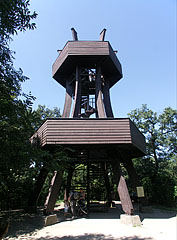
<point x="98" y="97"/>
<point x="88" y="186"/>
<point x="53" y="191"/>
<point x="69" y="178"/>
<point x="74" y="34"/>
<point x="108" y="188"/>
<point x="107" y="100"/>
<point x="68" y="100"/>
<point x="102" y="34"/>
<point x="122" y="188"/>
<point x="128" y="164"/>
<point x="125" y="197"/>
<point x="77" y="96"/>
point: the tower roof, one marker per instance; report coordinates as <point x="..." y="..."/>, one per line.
<point x="87" y="54"/>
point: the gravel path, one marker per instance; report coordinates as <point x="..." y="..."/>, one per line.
<point x="159" y="225"/>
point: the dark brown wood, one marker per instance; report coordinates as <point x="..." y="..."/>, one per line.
<point x="88" y="186"/>
<point x="107" y="183"/>
<point x="102" y="34"/>
<point x="88" y="69"/>
<point x="69" y="178"/>
<point x="77" y="96"/>
<point x="87" y="53"/>
<point x="68" y="100"/>
<point x="74" y="34"/>
<point x="92" y="131"/>
<point x="125" y="197"/>
<point x="107" y="100"/>
<point x="98" y="92"/>
<point x="121" y="185"/>
<point x="53" y="191"/>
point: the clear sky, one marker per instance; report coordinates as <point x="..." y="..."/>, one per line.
<point x="142" y="31"/>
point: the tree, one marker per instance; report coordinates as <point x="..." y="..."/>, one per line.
<point x="15" y="16"/>
<point x="157" y="169"/>
<point x="15" y="113"/>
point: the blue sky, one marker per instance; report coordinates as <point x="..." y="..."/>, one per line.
<point x="142" y="31"/>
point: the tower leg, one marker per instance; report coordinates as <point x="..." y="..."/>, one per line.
<point x="53" y="191"/>
<point x="88" y="186"/>
<point x="69" y="178"/>
<point x="108" y="188"/>
<point x="77" y="95"/>
<point x="122" y="188"/>
<point x="128" y="164"/>
<point x="107" y="100"/>
<point x="68" y="100"/>
<point x="99" y="99"/>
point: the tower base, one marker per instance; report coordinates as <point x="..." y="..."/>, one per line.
<point x="133" y="220"/>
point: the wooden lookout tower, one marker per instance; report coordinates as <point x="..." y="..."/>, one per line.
<point x="87" y="70"/>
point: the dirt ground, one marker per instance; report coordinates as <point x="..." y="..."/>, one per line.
<point x="156" y="225"/>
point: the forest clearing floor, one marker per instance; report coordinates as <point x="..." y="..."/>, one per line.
<point x="157" y="225"/>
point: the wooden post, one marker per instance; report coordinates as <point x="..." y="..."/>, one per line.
<point x="107" y="183"/>
<point x="125" y="197"/>
<point x="68" y="100"/>
<point x="69" y="178"/>
<point x="128" y="164"/>
<point x="98" y="98"/>
<point x="107" y="100"/>
<point x="102" y="34"/>
<point x="88" y="186"/>
<point x="53" y="191"/>
<point x="77" y="95"/>
<point x="122" y="188"/>
<point x="74" y="34"/>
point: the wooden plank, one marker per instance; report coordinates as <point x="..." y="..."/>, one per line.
<point x="138" y="138"/>
<point x="91" y="131"/>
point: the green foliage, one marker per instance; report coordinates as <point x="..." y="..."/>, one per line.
<point x="15" y="108"/>
<point x="42" y="113"/>
<point x="157" y="170"/>
<point x="15" y="16"/>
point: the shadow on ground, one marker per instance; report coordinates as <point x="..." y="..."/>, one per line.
<point x="93" y="237"/>
<point x="23" y="223"/>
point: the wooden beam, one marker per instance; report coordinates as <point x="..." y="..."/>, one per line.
<point x="121" y="186"/>
<point x="102" y="35"/>
<point x="77" y="96"/>
<point x="107" y="183"/>
<point x="74" y="34"/>
<point x="107" y="100"/>
<point x="98" y="90"/>
<point x="88" y="186"/>
<point x="68" y="99"/>
<point x="53" y="191"/>
<point x="125" y="197"/>
<point x="69" y="178"/>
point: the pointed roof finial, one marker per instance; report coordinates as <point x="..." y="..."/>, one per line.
<point x="74" y="34"/>
<point x="102" y="34"/>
